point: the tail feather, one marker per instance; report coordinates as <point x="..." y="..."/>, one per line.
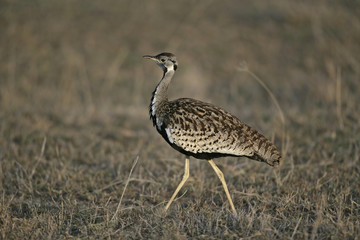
<point x="265" y="151"/>
<point x="273" y="161"/>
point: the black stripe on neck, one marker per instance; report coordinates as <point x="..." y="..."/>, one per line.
<point x="165" y="71"/>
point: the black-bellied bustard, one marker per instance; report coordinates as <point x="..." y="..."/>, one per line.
<point x="202" y="130"/>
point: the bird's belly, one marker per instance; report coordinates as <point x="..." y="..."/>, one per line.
<point x="203" y="144"/>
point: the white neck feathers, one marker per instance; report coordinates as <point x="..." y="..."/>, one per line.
<point x="160" y="93"/>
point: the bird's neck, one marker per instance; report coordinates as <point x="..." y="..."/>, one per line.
<point x="160" y="95"/>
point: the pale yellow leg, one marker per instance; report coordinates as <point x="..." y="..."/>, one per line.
<point x="185" y="177"/>
<point x="222" y="179"/>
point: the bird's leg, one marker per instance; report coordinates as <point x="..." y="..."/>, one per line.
<point x="185" y="177"/>
<point x="222" y="179"/>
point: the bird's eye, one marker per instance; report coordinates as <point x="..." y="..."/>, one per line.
<point x="162" y="60"/>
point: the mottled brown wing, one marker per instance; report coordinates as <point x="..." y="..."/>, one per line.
<point x="201" y="128"/>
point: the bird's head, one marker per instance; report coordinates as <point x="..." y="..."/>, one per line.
<point x="167" y="61"/>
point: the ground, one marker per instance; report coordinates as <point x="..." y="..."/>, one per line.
<point x="79" y="157"/>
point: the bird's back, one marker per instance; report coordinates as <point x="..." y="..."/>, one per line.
<point x="205" y="131"/>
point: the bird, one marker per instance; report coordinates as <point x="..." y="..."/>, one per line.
<point x="201" y="130"/>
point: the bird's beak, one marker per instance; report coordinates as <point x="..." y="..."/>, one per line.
<point x="151" y="57"/>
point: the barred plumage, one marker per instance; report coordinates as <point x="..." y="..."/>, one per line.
<point x="202" y="130"/>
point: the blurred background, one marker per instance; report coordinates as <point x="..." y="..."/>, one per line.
<point x="72" y="75"/>
<point x="75" y="59"/>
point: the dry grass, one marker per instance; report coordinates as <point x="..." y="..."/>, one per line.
<point x="74" y="92"/>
